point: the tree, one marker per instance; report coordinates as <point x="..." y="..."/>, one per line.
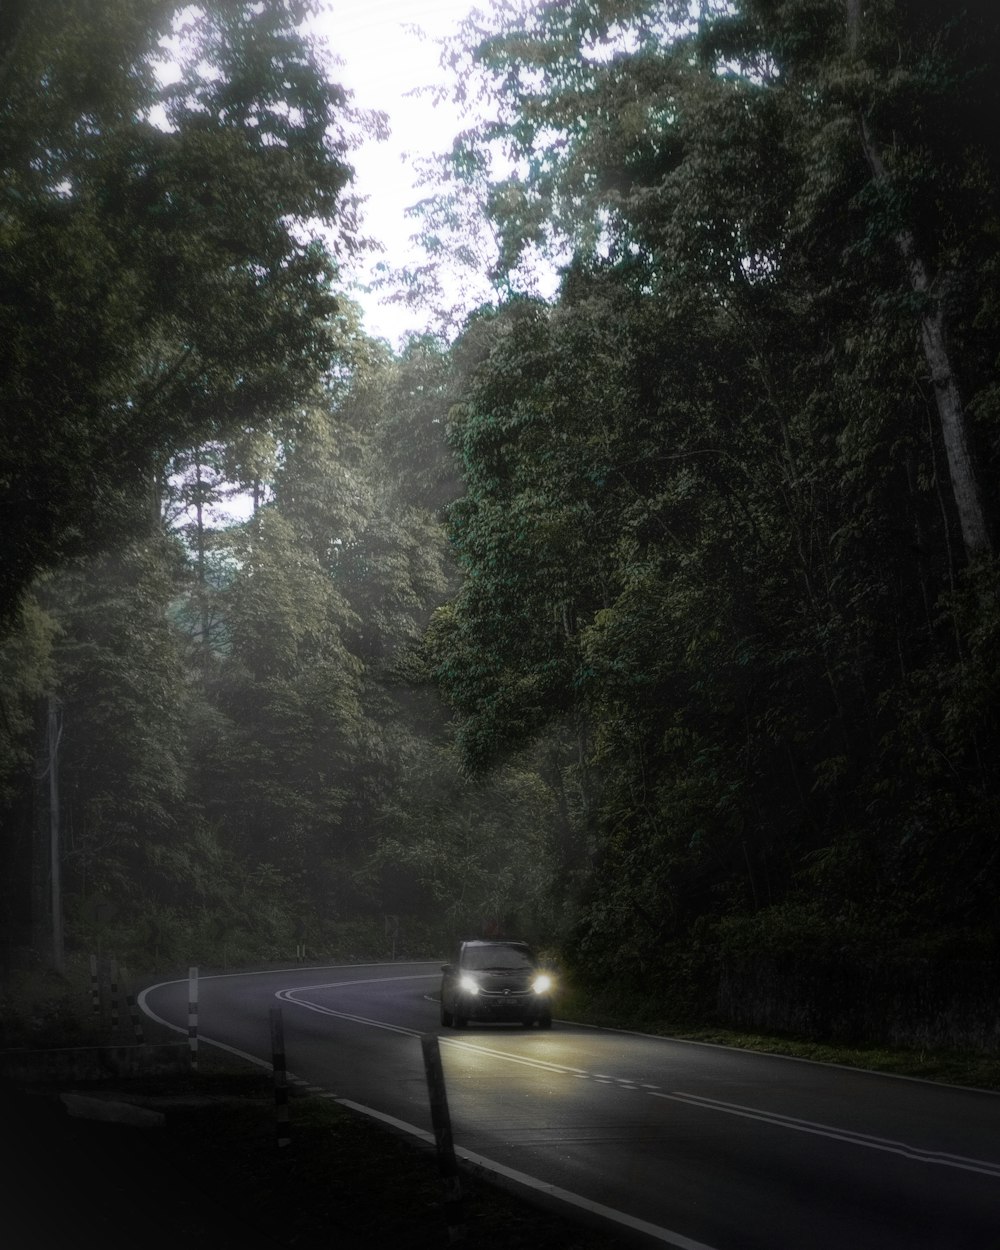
<point x="106" y="765"/>
<point x="714" y="148"/>
<point x="705" y="527"/>
<point x="898" y="69"/>
<point x="162" y="272"/>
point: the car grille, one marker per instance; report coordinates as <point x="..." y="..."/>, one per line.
<point x="503" y="987"/>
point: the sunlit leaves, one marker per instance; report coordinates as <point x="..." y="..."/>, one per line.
<point x="164" y="284"/>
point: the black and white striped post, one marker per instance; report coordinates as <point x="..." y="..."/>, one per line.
<point x="193" y="1017"/>
<point x="282" y="1130"/>
<point x="454" y="1204"/>
<point x="133" y="1010"/>
<point x="113" y="986"/>
<point x="95" y="987"/>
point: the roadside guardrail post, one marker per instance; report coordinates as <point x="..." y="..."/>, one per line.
<point x="193" y="1017"/>
<point x="133" y="1010"/>
<point x="441" y="1120"/>
<point x="113" y="986"/>
<point x="95" y="989"/>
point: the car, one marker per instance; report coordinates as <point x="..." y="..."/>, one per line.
<point x="495" y="980"/>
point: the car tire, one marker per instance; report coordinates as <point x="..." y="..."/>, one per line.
<point x="545" y="1020"/>
<point x="446" y="1016"/>
<point x="459" y="1021"/>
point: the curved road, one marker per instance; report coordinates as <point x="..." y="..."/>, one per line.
<point x="682" y="1144"/>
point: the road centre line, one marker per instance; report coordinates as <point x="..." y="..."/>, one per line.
<point x="286" y="996"/>
<point x="545" y="1064"/>
<point x="289" y="996"/>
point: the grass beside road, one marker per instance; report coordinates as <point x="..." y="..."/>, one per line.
<point x="974" y="1070"/>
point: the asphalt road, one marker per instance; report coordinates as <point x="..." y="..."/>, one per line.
<point x="683" y="1144"/>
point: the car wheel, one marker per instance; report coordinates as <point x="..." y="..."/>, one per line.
<point x="446" y="1016"/>
<point x="545" y="1020"/>
<point x="459" y="1021"/>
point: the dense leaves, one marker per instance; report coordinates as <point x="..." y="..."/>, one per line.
<point x="699" y="551"/>
<point x="159" y="275"/>
<point x="720" y="518"/>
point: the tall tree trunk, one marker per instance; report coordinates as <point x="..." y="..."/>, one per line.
<point x="200" y="554"/>
<point x="53" y="736"/>
<point x="951" y="413"/>
<point x="157" y="490"/>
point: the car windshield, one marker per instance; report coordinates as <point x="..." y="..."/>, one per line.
<point x="487" y="958"/>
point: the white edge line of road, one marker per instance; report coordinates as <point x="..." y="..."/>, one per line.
<point x="669" y="1238"/>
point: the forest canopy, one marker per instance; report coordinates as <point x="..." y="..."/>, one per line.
<point x="656" y="620"/>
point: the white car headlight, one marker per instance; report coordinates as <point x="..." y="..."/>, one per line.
<point x="542" y="984"/>
<point x="467" y="984"/>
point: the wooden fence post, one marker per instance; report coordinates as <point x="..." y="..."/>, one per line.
<point x="133" y="1010"/>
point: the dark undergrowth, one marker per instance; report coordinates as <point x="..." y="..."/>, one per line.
<point x="972" y="1069"/>
<point x="214" y="1176"/>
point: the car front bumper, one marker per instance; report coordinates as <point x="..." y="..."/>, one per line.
<point x="511" y="1006"/>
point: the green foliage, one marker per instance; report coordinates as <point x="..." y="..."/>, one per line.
<point x="683" y="548"/>
<point x="476" y="854"/>
<point x="118" y="675"/>
<point x="39" y="1009"/>
<point x="162" y="272"/>
<point x="708" y="530"/>
<point x="25" y="676"/>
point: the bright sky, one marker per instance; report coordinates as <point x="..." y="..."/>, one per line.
<point x="383" y="60"/>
